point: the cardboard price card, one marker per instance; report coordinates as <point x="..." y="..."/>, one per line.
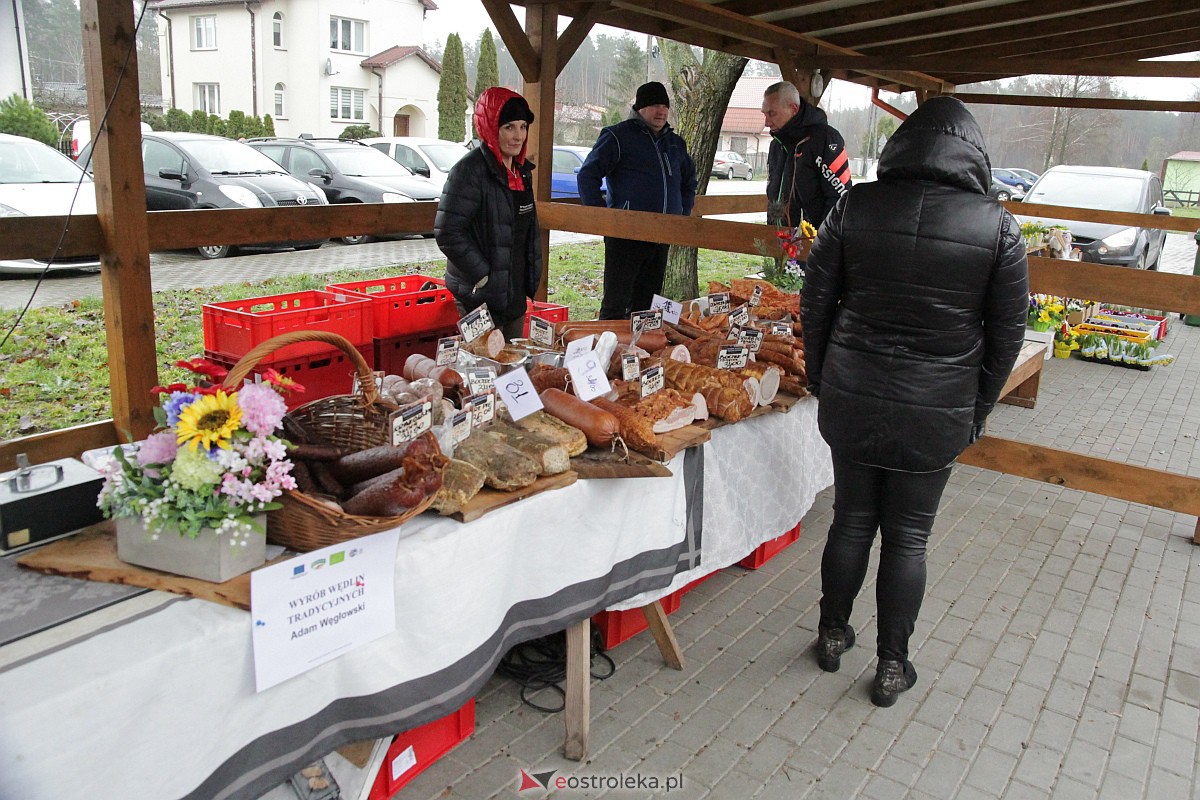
<point x="483" y="408"/>
<point x="670" y="308"/>
<point x="755" y="296"/>
<point x="718" y="303"/>
<point x="739" y="316"/>
<point x="541" y="331"/>
<point x="652" y="381"/>
<point x="750" y="338"/>
<point x="475" y="324"/>
<point x="409" y="422"/>
<point x="447" y="351"/>
<point x="781" y="329"/>
<point x="630" y="367"/>
<point x="579" y="348"/>
<point x="651" y="320"/>
<point x="461" y="425"/>
<point x="587" y="377"/>
<point x="518" y="393"/>
<point x="732" y="357"/>
<point x="480" y="379"/>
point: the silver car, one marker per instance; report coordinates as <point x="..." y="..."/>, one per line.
<point x="38" y="181"/>
<point x="728" y="164"/>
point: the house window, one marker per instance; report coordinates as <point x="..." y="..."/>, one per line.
<point x="347" y="35"/>
<point x="279" y="106"/>
<point x="346" y="104"/>
<point x="738" y="144"/>
<point x="277" y="29"/>
<point x="204" y="33"/>
<point x="208" y="97"/>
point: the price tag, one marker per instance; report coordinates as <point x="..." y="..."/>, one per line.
<point x="475" y="324"/>
<point x="739" y="316"/>
<point x="410" y="421"/>
<point x="587" y="377"/>
<point x="461" y="425"/>
<point x="652" y="381"/>
<point x="483" y="409"/>
<point x="718" y="303"/>
<point x="480" y="379"/>
<point x="630" y="367"/>
<point x="750" y="338"/>
<point x="646" y="320"/>
<point x="755" y="297"/>
<point x="781" y="329"/>
<point x="579" y="348"/>
<point x="732" y="357"/>
<point x="447" y="351"/>
<point x="671" y="309"/>
<point x="541" y="331"/>
<point x="518" y="393"/>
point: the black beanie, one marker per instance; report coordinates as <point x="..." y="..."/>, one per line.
<point x="651" y="94"/>
<point x="516" y="108"/>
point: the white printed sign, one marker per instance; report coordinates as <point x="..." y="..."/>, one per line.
<point x="317" y="606"/>
<point x="670" y="308"/>
<point x="518" y="393"/>
<point x="587" y="377"/>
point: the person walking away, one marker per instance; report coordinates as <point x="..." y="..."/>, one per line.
<point x="807" y="166"/>
<point x="648" y="169"/>
<point x="486" y="223"/>
<point x="913" y="311"/>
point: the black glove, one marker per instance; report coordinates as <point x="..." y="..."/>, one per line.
<point x="977" y="430"/>
<point x="814" y="389"/>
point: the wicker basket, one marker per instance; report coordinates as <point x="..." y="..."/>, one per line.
<point x="354" y="421"/>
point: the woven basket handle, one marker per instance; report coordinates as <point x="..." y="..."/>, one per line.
<point x="366" y="378"/>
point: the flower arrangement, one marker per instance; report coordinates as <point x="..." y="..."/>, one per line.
<point x="787" y="271"/>
<point x="214" y="461"/>
<point x="1046" y="312"/>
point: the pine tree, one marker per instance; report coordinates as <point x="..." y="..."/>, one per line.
<point x="452" y="92"/>
<point x="487" y="73"/>
<point x="629" y="73"/>
<point x="21" y="118"/>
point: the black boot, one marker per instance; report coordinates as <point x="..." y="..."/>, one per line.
<point x="892" y="678"/>
<point x="831" y="643"/>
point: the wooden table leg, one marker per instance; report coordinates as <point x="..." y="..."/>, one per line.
<point x="664" y="637"/>
<point x="578" y="712"/>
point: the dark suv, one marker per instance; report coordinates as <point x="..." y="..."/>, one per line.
<point x="1107" y="189"/>
<point x="194" y="170"/>
<point x="348" y="171"/>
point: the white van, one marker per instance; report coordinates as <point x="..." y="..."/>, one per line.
<point x="81" y="134"/>
<point x="430" y="158"/>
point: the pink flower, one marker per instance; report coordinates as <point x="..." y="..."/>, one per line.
<point x="159" y="448"/>
<point x="262" y="408"/>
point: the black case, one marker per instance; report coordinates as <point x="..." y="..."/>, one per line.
<point x="46" y="501"/>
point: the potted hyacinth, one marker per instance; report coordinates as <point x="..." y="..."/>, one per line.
<point x="191" y="499"/>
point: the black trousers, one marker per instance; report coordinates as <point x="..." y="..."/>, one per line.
<point x="633" y="274"/>
<point x="902" y="507"/>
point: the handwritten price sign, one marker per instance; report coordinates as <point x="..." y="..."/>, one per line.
<point x="739" y="316"/>
<point x="461" y="425"/>
<point x="410" y="421"/>
<point x="480" y="379"/>
<point x="732" y="357"/>
<point x="630" y="368"/>
<point x="652" y="381"/>
<point x="483" y="408"/>
<point x="518" y="393"/>
<point x="646" y="320"/>
<point x="541" y="331"/>
<point x="447" y="351"/>
<point x="587" y="377"/>
<point x="750" y="338"/>
<point x="781" y="329"/>
<point x="671" y="309"/>
<point x="475" y="324"/>
<point x="718" y="303"/>
<point x="755" y="297"/>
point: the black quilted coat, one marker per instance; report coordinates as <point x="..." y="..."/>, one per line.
<point x="915" y="299"/>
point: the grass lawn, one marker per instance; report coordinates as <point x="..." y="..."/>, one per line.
<point x="54" y="368"/>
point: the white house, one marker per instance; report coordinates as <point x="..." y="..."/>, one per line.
<point x="14" y="63"/>
<point x="743" y="130"/>
<point x="316" y="66"/>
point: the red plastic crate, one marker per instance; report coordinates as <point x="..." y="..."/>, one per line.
<point x="769" y="549"/>
<point x="547" y="311"/>
<point x="412" y="752"/>
<point x="391" y="353"/>
<point x="401" y="307"/>
<point x="321" y="374"/>
<point x="617" y="626"/>
<point x="233" y="327"/>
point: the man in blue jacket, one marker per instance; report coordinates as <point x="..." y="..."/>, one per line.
<point x="648" y="169"/>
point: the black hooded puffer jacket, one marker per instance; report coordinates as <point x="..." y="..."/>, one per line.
<point x="915" y="299"/>
<point x="475" y="222"/>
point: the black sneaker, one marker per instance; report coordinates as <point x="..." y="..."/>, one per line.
<point x="892" y="678"/>
<point x="830" y="646"/>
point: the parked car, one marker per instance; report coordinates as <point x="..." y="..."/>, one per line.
<point x="1007" y="176"/>
<point x="1003" y="192"/>
<point x="429" y="158"/>
<point x="1106" y="189"/>
<point x="1024" y="173"/>
<point x="728" y="164"/>
<point x="564" y="178"/>
<point x="81" y="135"/>
<point x="348" y="171"/>
<point x="39" y="181"/>
<point x="194" y="170"/>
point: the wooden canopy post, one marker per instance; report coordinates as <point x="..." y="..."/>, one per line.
<point x="110" y="57"/>
<point x="541" y="26"/>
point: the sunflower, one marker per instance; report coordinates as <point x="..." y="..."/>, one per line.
<point x="210" y="420"/>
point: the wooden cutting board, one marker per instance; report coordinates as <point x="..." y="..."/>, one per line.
<point x="714" y="422"/>
<point x="595" y="463"/>
<point x="490" y="499"/>
<point x="91" y="554"/>
<point x="673" y="442"/>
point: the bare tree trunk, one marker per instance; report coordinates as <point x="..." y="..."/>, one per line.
<point x="702" y="91"/>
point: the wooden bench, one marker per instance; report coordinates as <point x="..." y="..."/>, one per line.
<point x="1022" y="386"/>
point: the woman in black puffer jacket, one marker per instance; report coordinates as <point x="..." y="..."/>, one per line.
<point x="486" y="223"/>
<point x="914" y="311"/>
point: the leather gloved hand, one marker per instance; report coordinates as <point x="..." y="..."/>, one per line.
<point x="977" y="430"/>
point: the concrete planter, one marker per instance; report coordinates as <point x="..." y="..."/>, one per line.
<point x="208" y="557"/>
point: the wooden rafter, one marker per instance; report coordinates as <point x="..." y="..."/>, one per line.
<point x="514" y="38"/>
<point x="1110" y="103"/>
<point x="1007" y="66"/>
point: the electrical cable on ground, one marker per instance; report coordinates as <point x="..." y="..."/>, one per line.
<point x="541" y="664"/>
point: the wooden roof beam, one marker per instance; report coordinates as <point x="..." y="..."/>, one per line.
<point x="640" y="23"/>
<point x="514" y="38"/>
<point x="1005" y="66"/>
<point x="1109" y="103"/>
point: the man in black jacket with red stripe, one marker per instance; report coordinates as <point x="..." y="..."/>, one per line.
<point x="807" y="166"/>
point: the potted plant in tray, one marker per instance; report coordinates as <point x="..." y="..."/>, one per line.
<point x="191" y="498"/>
